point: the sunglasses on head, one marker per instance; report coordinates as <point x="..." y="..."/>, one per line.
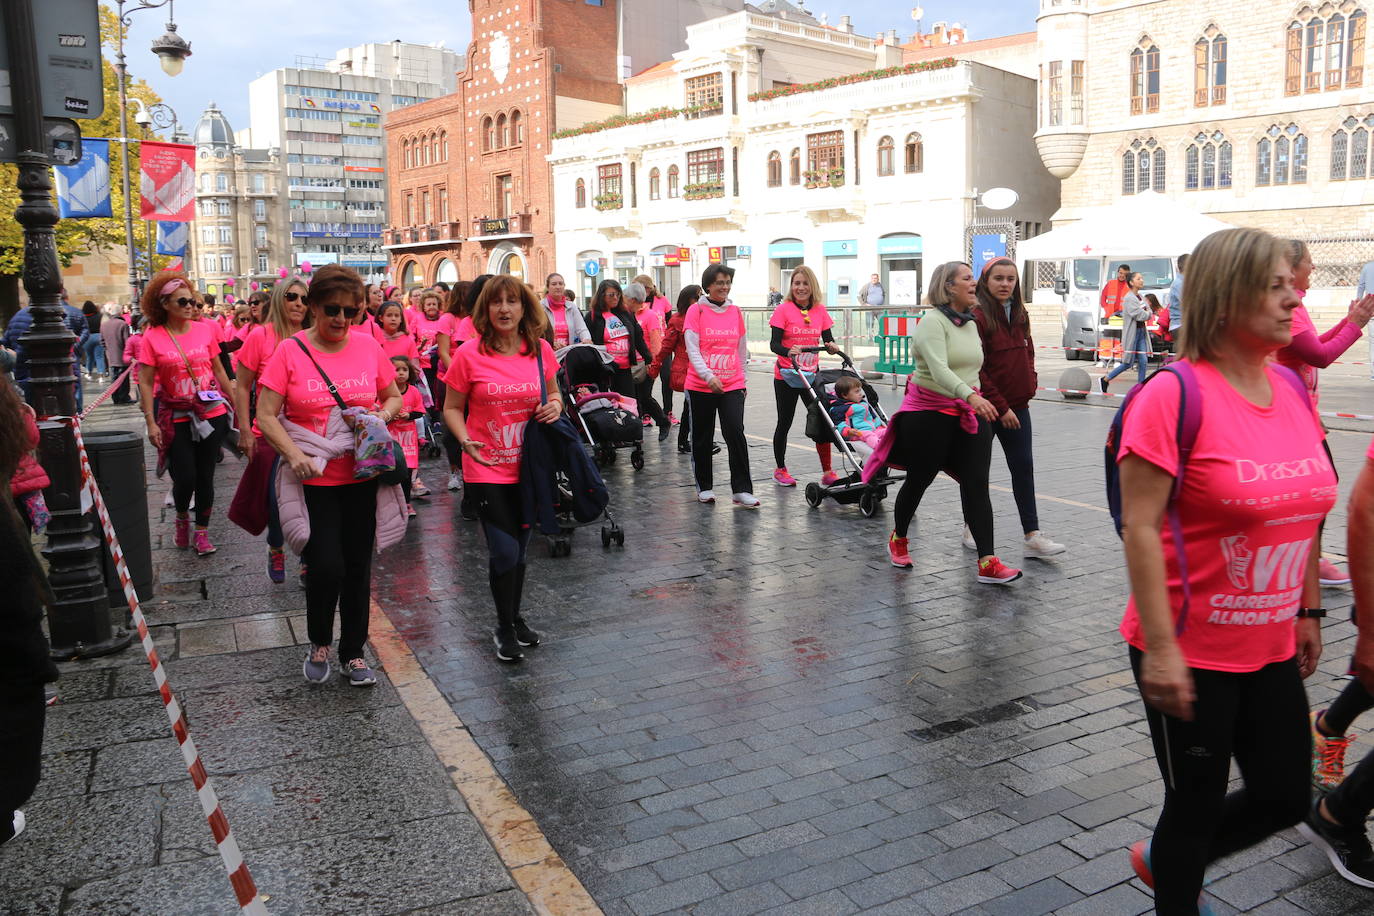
<point x="290" y="297"/>
<point x="333" y="311"/>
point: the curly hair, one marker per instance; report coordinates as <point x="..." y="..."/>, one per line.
<point x="151" y="302"/>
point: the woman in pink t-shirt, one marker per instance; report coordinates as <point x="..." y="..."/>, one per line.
<point x="493" y="391"/>
<point x="455" y="329"/>
<point x="1220" y="660"/>
<point x="342" y="511"/>
<point x="286" y="316"/>
<point x="717" y="353"/>
<point x="799" y="321"/>
<point x="181" y="357"/>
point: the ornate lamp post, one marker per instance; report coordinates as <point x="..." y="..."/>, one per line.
<point x="172" y="50"/>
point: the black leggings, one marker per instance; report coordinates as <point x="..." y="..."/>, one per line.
<point x="192" y="466"/>
<point x="499" y="506"/>
<point x="21" y="735"/>
<point x="1016" y="446"/>
<point x="665" y="374"/>
<point x="1260" y="719"/>
<point x="787" y="397"/>
<point x="729" y="405"/>
<point x="932" y="442"/>
<point x="338" y="558"/>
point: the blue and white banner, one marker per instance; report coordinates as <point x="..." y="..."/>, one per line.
<point x="83" y="189"/>
<point x="172" y="238"/>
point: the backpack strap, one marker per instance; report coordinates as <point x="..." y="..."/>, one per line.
<point x="1189" y="422"/>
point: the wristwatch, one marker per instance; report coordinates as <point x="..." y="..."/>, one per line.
<point x="1304" y="612"/>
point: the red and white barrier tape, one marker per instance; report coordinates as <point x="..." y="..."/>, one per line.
<point x="245" y="890"/>
<point x="106" y="394"/>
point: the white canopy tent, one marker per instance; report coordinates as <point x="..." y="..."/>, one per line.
<point x="1143" y="225"/>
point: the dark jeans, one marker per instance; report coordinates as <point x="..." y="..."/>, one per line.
<point x="121" y="392"/>
<point x="1016" y="446"/>
<point x="21" y="735"/>
<point x="499" y="506"/>
<point x="275" y="536"/>
<point x="192" y="466"/>
<point x="665" y="375"/>
<point x="705" y="406"/>
<point x="338" y="558"/>
<point x="1260" y="719"/>
<point x="644" y="394"/>
<point x="931" y="442"/>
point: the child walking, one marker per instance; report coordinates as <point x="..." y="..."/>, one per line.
<point x="402" y="427"/>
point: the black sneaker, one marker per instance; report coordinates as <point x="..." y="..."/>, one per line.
<point x="507" y="646"/>
<point x="1347" y="848"/>
<point x="1102" y="383"/>
<point x="523" y="634"/>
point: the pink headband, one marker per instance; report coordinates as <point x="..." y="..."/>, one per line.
<point x="171" y="286"/>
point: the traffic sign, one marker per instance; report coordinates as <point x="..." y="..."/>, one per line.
<point x="591" y="268"/>
<point x="67" y="38"/>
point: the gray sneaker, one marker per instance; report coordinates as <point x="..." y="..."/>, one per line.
<point x="356" y="672"/>
<point x="316" y="667"/>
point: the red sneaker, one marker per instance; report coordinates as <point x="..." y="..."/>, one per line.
<point x="897" y="553"/>
<point x="993" y="571"/>
<point x="203" y="546"/>
<point x="783" y="479"/>
<point x="829" y="479"/>
<point x="182" y="538"/>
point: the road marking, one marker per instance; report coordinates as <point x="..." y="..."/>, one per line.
<point x="540" y="872"/>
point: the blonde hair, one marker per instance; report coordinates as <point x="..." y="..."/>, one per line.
<point x="938" y="291"/>
<point x="810" y="276"/>
<point x="276" y="309"/>
<point x="1228" y="273"/>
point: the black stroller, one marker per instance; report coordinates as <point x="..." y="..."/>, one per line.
<point x="609" y="421"/>
<point x="819" y="396"/>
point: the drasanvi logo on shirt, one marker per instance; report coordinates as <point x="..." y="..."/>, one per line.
<point x="1250" y="471"/>
<point x="363" y="382"/>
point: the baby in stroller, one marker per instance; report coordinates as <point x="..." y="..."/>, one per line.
<point x="857" y="420"/>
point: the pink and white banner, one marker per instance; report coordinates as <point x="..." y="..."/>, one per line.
<point x="167" y="181"/>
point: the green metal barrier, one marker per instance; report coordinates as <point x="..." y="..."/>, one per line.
<point x="894" y="342"/>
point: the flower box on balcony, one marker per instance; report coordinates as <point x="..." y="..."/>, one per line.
<point x="703" y="190"/>
<point x="608" y="201"/>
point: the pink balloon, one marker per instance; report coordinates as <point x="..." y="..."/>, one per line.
<point x="254" y="284"/>
<point x="229" y="298"/>
<point x="282" y="272"/>
<point x="305" y="266"/>
<point x="229" y="282"/>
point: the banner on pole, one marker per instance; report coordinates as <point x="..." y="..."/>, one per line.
<point x="83" y="188"/>
<point x="172" y="237"/>
<point x="167" y="181"/>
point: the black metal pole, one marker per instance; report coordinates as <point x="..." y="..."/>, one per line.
<point x="79" y="620"/>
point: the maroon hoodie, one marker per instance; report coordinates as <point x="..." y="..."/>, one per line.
<point x="1007" y="378"/>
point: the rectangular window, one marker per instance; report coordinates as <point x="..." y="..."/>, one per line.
<point x="609" y="195"/>
<point x="443" y="205"/>
<point x="361" y="140"/>
<point x="207" y="235"/>
<point x="1076" y="94"/>
<point x="825" y="159"/>
<point x="312" y="114"/>
<point x="1292" y="68"/>
<point x="262" y="263"/>
<point x="259" y="209"/>
<point x="358" y="95"/>
<point x="1219" y="70"/>
<point x="428" y="215"/>
<point x="505" y="196"/>
<point x="226" y="263"/>
<point x="1056" y="93"/>
<point x="260" y="236"/>
<point x="207" y="263"/>
<point x="222" y="207"/>
<point x="226" y="235"/>
<point x="705" y="95"/>
<point x="410" y="209"/>
<point x="706" y="172"/>
<point x="310" y="136"/>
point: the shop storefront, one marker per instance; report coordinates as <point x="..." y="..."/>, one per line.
<point x="900" y="268"/>
<point x="784" y="256"/>
<point x="842" y="280"/>
<point x="665" y="266"/>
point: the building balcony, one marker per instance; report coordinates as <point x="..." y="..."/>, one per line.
<point x="411" y="236"/>
<point x="518" y="225"/>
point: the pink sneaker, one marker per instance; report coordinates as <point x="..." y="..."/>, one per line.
<point x="410" y="511"/>
<point x="183" y="534"/>
<point x="993" y="571"/>
<point x="672" y="419"/>
<point x="897" y="552"/>
<point x="1331" y="574"/>
<point x="203" y="546"/>
<point x="829" y="479"/>
<point x="784" y="479"/>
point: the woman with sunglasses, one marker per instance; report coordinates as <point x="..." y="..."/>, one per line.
<point x="800" y="321"/>
<point x="342" y="511"/>
<point x="286" y="316"/>
<point x="180" y="355"/>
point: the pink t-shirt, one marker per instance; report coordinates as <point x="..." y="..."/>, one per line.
<point x="241" y="333"/>
<point x="200" y="344"/>
<point x="425" y="332"/>
<point x="1257" y="485"/>
<point x="618" y="340"/>
<point x="662" y="306"/>
<point x="402" y="428"/>
<point x="797" y="332"/>
<point x="257" y="348"/>
<point x="503" y="392"/>
<point x="359" y="371"/>
<point x="651" y="323"/>
<point x="401" y="345"/>
<point x="720" y="334"/>
<point x="561" y="337"/>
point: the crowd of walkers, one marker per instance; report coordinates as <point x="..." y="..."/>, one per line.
<point x="334" y="387"/>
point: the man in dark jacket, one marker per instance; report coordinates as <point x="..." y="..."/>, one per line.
<point x="20" y="325"/>
<point x="114" y="330"/>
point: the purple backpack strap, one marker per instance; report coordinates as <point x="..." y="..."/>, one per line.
<point x="1189" y="422"/>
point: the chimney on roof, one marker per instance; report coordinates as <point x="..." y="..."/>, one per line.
<point x="891" y="36"/>
<point x="846" y="25"/>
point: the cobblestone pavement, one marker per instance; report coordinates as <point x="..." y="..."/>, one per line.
<point x="738" y="712"/>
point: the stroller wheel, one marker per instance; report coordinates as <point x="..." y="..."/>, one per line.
<point x="637" y="460"/>
<point x="814" y="495"/>
<point x="605" y="536"/>
<point x="619" y="537"/>
<point x="868" y="503"/>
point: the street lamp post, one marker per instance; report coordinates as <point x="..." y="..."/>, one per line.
<point x="173" y="50"/>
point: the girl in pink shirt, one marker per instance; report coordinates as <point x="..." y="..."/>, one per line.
<point x="800" y="321"/>
<point x="396" y="337"/>
<point x="717" y="351"/>
<point x="1219" y="659"/>
<point x="493" y="392"/>
<point x="181" y="357"/>
<point x="402" y="428"/>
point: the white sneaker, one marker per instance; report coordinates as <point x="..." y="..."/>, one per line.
<point x="968" y="541"/>
<point x="19" y="822"/>
<point x="1037" y="545"/>
<point x="745" y="500"/>
<point x="167" y="500"/>
<point x="706" y="496"/>
<point x="454" y="482"/>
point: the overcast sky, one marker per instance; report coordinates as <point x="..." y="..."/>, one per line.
<point x="234" y="42"/>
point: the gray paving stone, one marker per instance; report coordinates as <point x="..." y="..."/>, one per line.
<point x="818" y="879"/>
<point x="961" y="893"/>
<point x="1045" y="896"/>
<point x="673" y="895"/>
<point x="1043" y="863"/>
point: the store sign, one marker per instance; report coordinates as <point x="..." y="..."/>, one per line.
<point x="684" y="255"/>
<point x="843" y="248"/>
<point x="713" y="254"/>
<point x="900" y="244"/>
<point x="671" y="260"/>
<point x="335" y="104"/>
<point x="744" y="251"/>
<point x="987" y="248"/>
<point x="495" y="226"/>
<point x="363" y="168"/>
<point x="786" y="250"/>
<point x="629" y="261"/>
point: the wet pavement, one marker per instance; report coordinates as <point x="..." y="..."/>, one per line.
<point x="738" y="712"/>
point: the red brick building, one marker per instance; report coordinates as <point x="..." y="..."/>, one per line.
<point x="468" y="180"/>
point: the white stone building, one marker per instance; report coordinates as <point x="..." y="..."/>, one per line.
<point x="868" y="174"/>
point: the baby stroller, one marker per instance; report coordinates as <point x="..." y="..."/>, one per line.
<point x="819" y="396"/>
<point x="609" y="421"/>
<point x="430" y="429"/>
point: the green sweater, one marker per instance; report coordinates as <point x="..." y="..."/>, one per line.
<point x="947" y="358"/>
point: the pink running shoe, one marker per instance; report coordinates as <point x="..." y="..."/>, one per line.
<point x="203" y="546"/>
<point x="993" y="571"/>
<point x="784" y="479"/>
<point x="183" y="533"/>
<point x="829" y="479"/>
<point x="1331" y="574"/>
<point x="897" y="552"/>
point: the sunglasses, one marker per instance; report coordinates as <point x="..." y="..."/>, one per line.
<point x="333" y="311"/>
<point x="183" y="301"/>
<point x="290" y="297"/>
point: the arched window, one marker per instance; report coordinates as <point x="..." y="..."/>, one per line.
<point x="581" y="193"/>
<point x="654" y="192"/>
<point x="1281" y="156"/>
<point x="885" y="157"/>
<point x="405" y="152"/>
<point x="502" y="132"/>
<point x="1209" y="68"/>
<point x="1142" y="167"/>
<point x="443" y="139"/>
<point x="1145" y="78"/>
<point x="794" y="167"/>
<point x="434" y="145"/>
<point x="914" y="159"/>
<point x="1264" y="162"/>
<point x="1159" y="171"/>
<point x="775" y="169"/>
<point x="1128" y="172"/>
<point x="517" y="128"/>
<point x="424" y="150"/>
<point x="1208" y="159"/>
<point x="672" y="180"/>
<point x="1324" y="50"/>
<point x="488" y="134"/>
<point x="1340" y="142"/>
<point x="1350" y="148"/>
